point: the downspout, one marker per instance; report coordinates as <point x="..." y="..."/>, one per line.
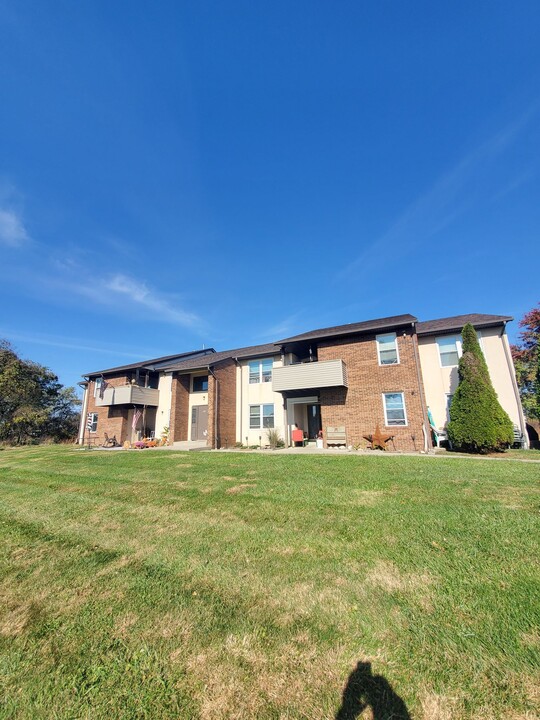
<point x="82" y="425"/>
<point x="216" y="406"/>
<point x="284" y="406"/>
<point x="427" y="438"/>
<point x="512" y="371"/>
<point x="241" y="413"/>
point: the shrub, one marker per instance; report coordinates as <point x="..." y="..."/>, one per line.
<point x="274" y="439"/>
<point x="478" y="424"/>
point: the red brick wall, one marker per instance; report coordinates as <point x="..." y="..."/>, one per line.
<point x="111" y="420"/>
<point x="225" y="393"/>
<point x="360" y="406"/>
<point x="179" y="408"/>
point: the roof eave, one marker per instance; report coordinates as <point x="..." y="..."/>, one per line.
<point x="459" y="326"/>
<point x="308" y="337"/>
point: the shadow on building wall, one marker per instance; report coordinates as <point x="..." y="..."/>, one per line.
<point x="365" y="690"/>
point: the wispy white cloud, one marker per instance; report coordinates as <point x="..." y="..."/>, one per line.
<point x="69" y="344"/>
<point x="285" y="327"/>
<point x="453" y="194"/>
<point x="115" y="290"/>
<point x="12" y="230"/>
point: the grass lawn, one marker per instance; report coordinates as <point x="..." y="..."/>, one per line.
<point x="240" y="585"/>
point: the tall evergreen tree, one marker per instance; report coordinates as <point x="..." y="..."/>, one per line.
<point x="478" y="424"/>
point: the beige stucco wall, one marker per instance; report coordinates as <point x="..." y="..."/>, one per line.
<point x="163" y="414"/>
<point x="440" y="381"/>
<point x="256" y="394"/>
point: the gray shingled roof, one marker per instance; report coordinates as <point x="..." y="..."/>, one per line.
<point x="151" y="364"/>
<point x="351" y="329"/>
<point x="456" y="323"/>
<point x="204" y="362"/>
<point x="199" y="359"/>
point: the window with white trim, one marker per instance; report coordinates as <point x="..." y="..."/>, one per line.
<point x="261" y="416"/>
<point x="260" y="371"/>
<point x="97" y="386"/>
<point x="91" y="422"/>
<point x="387" y="349"/>
<point x="394" y="409"/>
<point x="449" y="350"/>
<point x="449" y="397"/>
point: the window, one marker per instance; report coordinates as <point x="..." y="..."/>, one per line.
<point x="97" y="386"/>
<point x="449" y="350"/>
<point x="260" y="371"/>
<point x="200" y="383"/>
<point x="448" y="403"/>
<point x="394" y="409"/>
<point x="91" y="422"/>
<point x="261" y="416"/>
<point x="387" y="349"/>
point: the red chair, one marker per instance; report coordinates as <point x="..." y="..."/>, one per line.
<point x="297" y="436"/>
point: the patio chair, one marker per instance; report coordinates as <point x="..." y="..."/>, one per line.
<point x="110" y="441"/>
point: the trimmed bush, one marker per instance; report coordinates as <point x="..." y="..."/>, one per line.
<point x="478" y="424"/>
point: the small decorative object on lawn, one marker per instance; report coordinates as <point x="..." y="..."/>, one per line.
<point x="165" y="435"/>
<point x="139" y="445"/>
<point x="378" y="439"/>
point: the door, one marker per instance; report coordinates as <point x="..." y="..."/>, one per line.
<point x="314" y="420"/>
<point x="199" y="422"/>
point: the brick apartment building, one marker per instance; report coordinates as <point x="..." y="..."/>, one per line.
<point x="337" y="384"/>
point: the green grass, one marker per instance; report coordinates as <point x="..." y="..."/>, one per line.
<point x="233" y="585"/>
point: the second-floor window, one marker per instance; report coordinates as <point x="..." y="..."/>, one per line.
<point x="200" y="383"/>
<point x="260" y="371"/>
<point x="449" y="350"/>
<point x="387" y="349"/>
<point x="97" y="386"/>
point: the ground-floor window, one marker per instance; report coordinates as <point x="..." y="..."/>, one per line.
<point x="261" y="416"/>
<point x="91" y="422"/>
<point x="394" y="409"/>
<point x="449" y="397"/>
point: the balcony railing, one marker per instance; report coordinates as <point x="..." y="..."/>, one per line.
<point x="128" y="395"/>
<point x="306" y="376"/>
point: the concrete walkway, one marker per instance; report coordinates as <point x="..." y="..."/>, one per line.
<point x="201" y="446"/>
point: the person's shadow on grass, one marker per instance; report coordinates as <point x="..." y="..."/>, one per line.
<point x="365" y="690"/>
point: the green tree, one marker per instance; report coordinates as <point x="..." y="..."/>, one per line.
<point x="33" y="404"/>
<point x="526" y="355"/>
<point x="478" y="424"/>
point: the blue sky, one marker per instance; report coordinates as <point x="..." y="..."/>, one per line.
<point x="180" y="174"/>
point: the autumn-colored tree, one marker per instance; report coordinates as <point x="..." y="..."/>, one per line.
<point x="478" y="423"/>
<point x="526" y="355"/>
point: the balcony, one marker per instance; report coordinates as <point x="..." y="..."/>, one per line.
<point x="128" y="395"/>
<point x="307" y="376"/>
